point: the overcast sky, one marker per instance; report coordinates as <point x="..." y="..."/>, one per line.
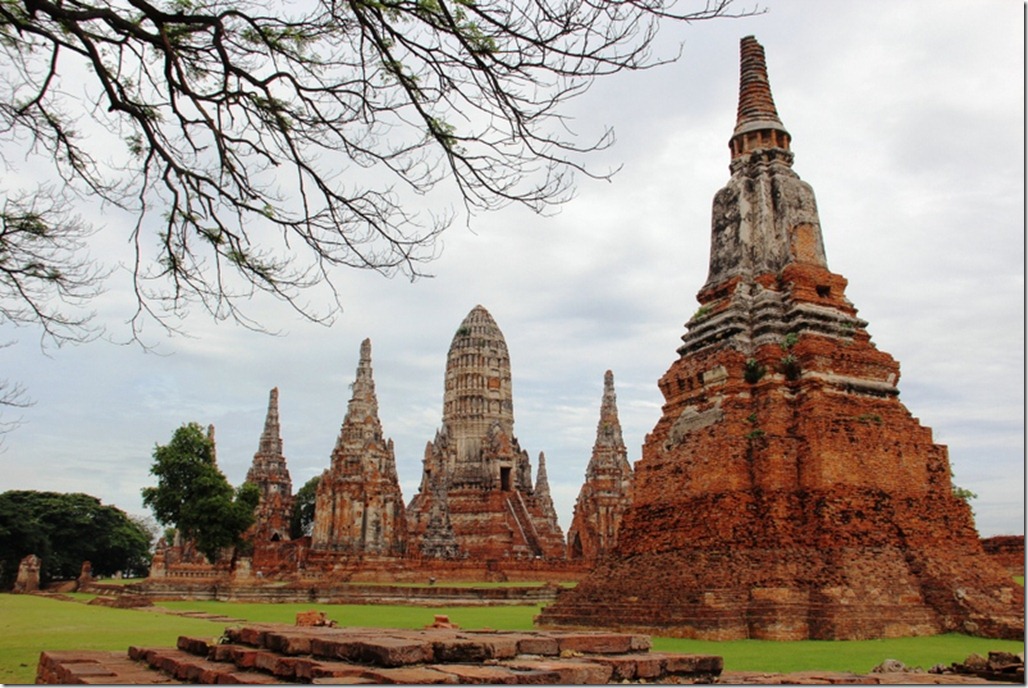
<point x="907" y="118"/>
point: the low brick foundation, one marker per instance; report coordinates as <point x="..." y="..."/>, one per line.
<point x="278" y="653"/>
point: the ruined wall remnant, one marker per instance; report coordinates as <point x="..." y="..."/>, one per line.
<point x="786" y="492"/>
<point x="605" y="494"/>
<point x="1007" y="551"/>
<point x="359" y="508"/>
<point x="477" y="481"/>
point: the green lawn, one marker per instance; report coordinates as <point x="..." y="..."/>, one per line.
<point x="858" y="656"/>
<point x="30" y="624"/>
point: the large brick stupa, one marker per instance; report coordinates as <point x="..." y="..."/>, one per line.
<point x="786" y="492"/>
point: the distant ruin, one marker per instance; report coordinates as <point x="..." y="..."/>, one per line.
<point x="477" y="514"/>
<point x="786" y="492"/>
<point x="606" y="492"/>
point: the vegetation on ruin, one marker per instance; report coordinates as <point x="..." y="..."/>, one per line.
<point x="301" y="520"/>
<point x="194" y="496"/>
<point x="64" y="530"/>
<point x="753" y="371"/>
<point x="30" y="624"/>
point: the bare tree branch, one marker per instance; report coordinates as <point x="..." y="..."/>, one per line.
<point x="264" y="148"/>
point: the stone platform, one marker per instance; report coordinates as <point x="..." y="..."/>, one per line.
<point x="279" y="653"/>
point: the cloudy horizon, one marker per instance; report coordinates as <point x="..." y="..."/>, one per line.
<point x="906" y="118"/>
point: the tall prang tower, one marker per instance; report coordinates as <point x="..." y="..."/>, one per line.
<point x="476" y="488"/>
<point x="359" y="508"/>
<point x="271" y="475"/>
<point x="605" y="495"/>
<point x="786" y="492"/>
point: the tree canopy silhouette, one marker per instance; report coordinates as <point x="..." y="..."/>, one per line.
<point x="66" y="529"/>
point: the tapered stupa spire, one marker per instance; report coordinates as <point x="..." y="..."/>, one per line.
<point x="757" y="124"/>
<point x="214" y="445"/>
<point x="358" y="505"/>
<point x="608" y="429"/>
<point x="542" y="490"/>
<point x="269" y="473"/>
<point x="605" y="494"/>
<point x="271" y="439"/>
<point x="364" y="402"/>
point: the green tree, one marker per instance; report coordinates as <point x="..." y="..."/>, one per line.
<point x="301" y="522"/>
<point x="265" y="144"/>
<point x="964" y="494"/>
<point x="194" y="496"/>
<point x="65" y="530"/>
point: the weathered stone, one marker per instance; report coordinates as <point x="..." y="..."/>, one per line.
<point x="811" y="504"/>
<point x="200" y="647"/>
<point x="442" y="621"/>
<point x="412" y="676"/>
<point x="605" y="494"/>
<point x="85" y="574"/>
<point x="392" y="652"/>
<point x="691" y="665"/>
<point x="122" y="601"/>
<point x="359" y="508"/>
<point x="569" y="672"/>
<point x="476" y="498"/>
<point x="28" y="574"/>
<point x="497" y="675"/>
<point x="313" y="618"/>
<point x="596" y="643"/>
<point x="351" y="655"/>
<point x="289" y="643"/>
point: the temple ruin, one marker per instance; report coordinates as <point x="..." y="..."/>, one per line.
<point x="786" y="492"/>
<point x="606" y="492"/>
<point x="359" y="508"/>
<point x="477" y="515"/>
<point x="477" y="481"/>
<point x="270" y="474"/>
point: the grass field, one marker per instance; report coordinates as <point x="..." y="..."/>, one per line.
<point x="30" y="624"/>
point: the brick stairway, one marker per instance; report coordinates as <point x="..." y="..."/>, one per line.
<point x="280" y="653"/>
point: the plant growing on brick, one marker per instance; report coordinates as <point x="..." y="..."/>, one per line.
<point x="754" y="371"/>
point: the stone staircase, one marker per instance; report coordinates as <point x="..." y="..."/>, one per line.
<point x="523" y="520"/>
<point x="279" y="653"/>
